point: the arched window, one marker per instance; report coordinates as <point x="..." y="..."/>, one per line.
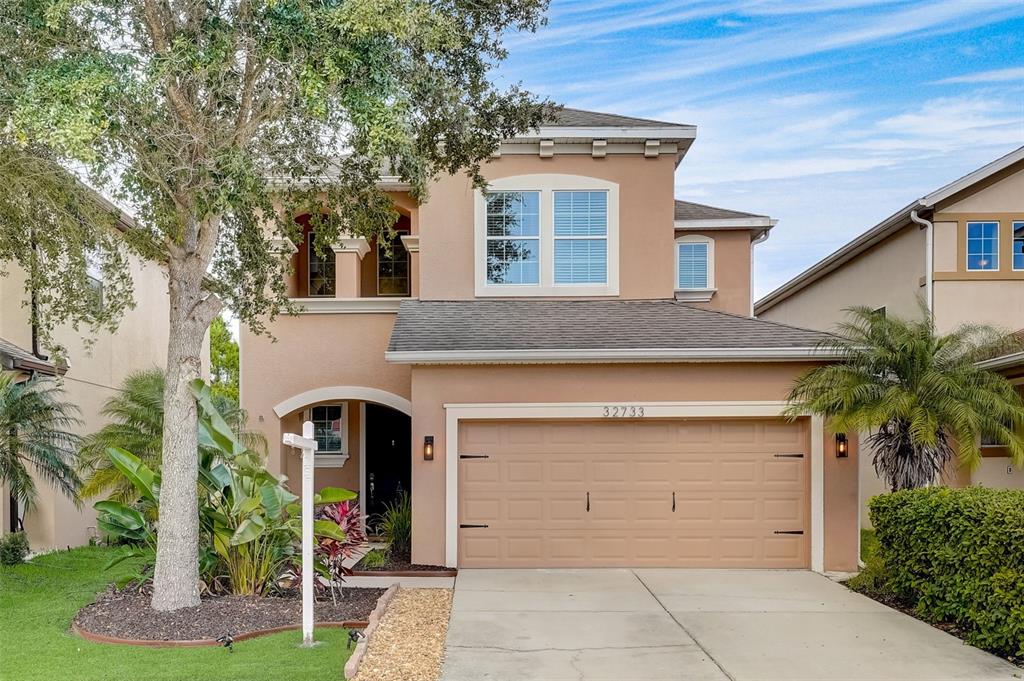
<point x="695" y="264"/>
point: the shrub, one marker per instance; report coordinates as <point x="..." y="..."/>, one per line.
<point x="13" y="548"/>
<point x="374" y="558"/>
<point x="395" y="525"/>
<point x="957" y="555"/>
<point x="871" y="580"/>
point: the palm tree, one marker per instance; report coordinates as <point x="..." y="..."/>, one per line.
<point x="34" y="434"/>
<point x="136" y="416"/>
<point x="921" y="395"/>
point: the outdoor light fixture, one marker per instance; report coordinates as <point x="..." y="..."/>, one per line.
<point x="842" y="446"/>
<point x="428" y="448"/>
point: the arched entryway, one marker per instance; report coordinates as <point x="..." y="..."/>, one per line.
<point x="365" y="438"/>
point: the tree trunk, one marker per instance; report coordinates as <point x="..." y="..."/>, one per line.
<point x="176" y="577"/>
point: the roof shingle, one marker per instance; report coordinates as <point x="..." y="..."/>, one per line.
<point x="578" y="118"/>
<point x="688" y="210"/>
<point x="489" y="325"/>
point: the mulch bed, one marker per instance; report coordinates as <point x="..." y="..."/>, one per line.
<point x="398" y="564"/>
<point x="127" y="615"/>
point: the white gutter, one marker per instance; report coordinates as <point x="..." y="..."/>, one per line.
<point x="1003" y="361"/>
<point x="608" y="355"/>
<point x="761" y="237"/>
<point x="929" y="254"/>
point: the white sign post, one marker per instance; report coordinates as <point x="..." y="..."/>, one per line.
<point x="308" y="446"/>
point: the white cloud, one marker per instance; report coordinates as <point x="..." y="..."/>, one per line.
<point x="992" y="76"/>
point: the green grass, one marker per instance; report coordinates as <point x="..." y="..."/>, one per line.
<point x="39" y="599"/>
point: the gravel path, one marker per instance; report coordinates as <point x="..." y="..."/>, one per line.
<point x="409" y="643"/>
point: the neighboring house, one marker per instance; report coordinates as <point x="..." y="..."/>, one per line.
<point x="563" y="371"/>
<point x="92" y="373"/>
<point x="960" y="250"/>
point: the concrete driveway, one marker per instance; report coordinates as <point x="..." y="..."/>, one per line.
<point x="698" y="625"/>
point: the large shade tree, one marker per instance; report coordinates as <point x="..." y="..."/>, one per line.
<point x="217" y="122"/>
<point x="920" y="394"/>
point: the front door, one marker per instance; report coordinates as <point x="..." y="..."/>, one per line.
<point x="388" y="457"/>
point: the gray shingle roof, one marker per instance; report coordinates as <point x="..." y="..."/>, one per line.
<point x="496" y="325"/>
<point x="578" y="118"/>
<point x="688" y="210"/>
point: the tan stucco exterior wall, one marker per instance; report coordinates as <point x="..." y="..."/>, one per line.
<point x="314" y="351"/>
<point x="999" y="303"/>
<point x="887" y="275"/>
<point x="95" y="371"/>
<point x="732" y="271"/>
<point x="646" y="260"/>
<point x="432" y="387"/>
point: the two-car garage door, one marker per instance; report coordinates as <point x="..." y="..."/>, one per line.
<point x="681" y="493"/>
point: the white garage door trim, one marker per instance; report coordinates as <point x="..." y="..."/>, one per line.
<point x="454" y="413"/>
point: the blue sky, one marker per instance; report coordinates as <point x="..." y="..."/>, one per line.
<point x="826" y="114"/>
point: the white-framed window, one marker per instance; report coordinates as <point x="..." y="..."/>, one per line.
<point x="581" y="237"/>
<point x="330" y="428"/>
<point x="321" y="270"/>
<point x="982" y="246"/>
<point x="547" y="235"/>
<point x="1018" y="245"/>
<point x="513" y="238"/>
<point x="392" y="267"/>
<point x="695" y="264"/>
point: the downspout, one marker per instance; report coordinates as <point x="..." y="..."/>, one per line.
<point x="929" y="248"/>
<point x="763" y="236"/>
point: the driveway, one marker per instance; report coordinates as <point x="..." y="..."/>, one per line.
<point x="698" y="625"/>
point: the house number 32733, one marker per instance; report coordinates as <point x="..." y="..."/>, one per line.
<point x="623" y="412"/>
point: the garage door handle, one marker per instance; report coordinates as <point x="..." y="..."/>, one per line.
<point x="788" y="456"/>
<point x="473" y="526"/>
<point x="673" y="502"/>
<point x="588" y="502"/>
<point x="789" y="531"/>
<point x="474" y="456"/>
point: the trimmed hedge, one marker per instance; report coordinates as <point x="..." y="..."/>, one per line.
<point x="957" y="555"/>
<point x="13" y="548"/>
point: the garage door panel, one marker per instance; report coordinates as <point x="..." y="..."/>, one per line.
<point x="732" y="494"/>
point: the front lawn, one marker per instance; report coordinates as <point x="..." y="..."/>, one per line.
<point x="39" y="599"/>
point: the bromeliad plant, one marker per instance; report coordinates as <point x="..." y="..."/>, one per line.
<point x="248" y="518"/>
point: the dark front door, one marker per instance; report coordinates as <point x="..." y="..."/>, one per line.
<point x="388" y="457"/>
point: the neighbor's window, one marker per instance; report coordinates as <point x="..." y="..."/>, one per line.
<point x="513" y="238"/>
<point x="392" y="267"/>
<point x="982" y="245"/>
<point x="1018" y="245"/>
<point x="94" y="282"/>
<point x="581" y="237"/>
<point x="694" y="263"/>
<point x="328" y="428"/>
<point x="321" y="269"/>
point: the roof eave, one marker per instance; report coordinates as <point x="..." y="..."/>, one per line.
<point x="1003" y="362"/>
<point x="754" y="224"/>
<point x="608" y="355"/>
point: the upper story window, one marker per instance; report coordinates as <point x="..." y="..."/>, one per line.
<point x="322" y="280"/>
<point x="513" y="238"/>
<point x="695" y="265"/>
<point x="1018" y="245"/>
<point x="94" y="280"/>
<point x="547" y="235"/>
<point x="982" y="246"/>
<point x="392" y="267"/>
<point x="581" y="237"/>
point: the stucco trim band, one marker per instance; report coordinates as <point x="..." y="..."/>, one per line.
<point x="455" y="413"/>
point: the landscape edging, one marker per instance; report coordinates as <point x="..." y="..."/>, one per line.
<point x="200" y="642"/>
<point x="356" y="658"/>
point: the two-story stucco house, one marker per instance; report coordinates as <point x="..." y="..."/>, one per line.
<point x="562" y="370"/>
<point x="959" y="250"/>
<point x="91" y="373"/>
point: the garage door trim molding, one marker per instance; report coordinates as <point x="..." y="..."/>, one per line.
<point x="454" y="413"/>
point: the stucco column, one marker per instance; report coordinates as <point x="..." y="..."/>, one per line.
<point x="286" y="248"/>
<point x="412" y="244"/>
<point x="348" y="254"/>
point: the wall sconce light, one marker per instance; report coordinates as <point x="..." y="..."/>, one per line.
<point x="842" y="446"/>
<point x="428" y="448"/>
